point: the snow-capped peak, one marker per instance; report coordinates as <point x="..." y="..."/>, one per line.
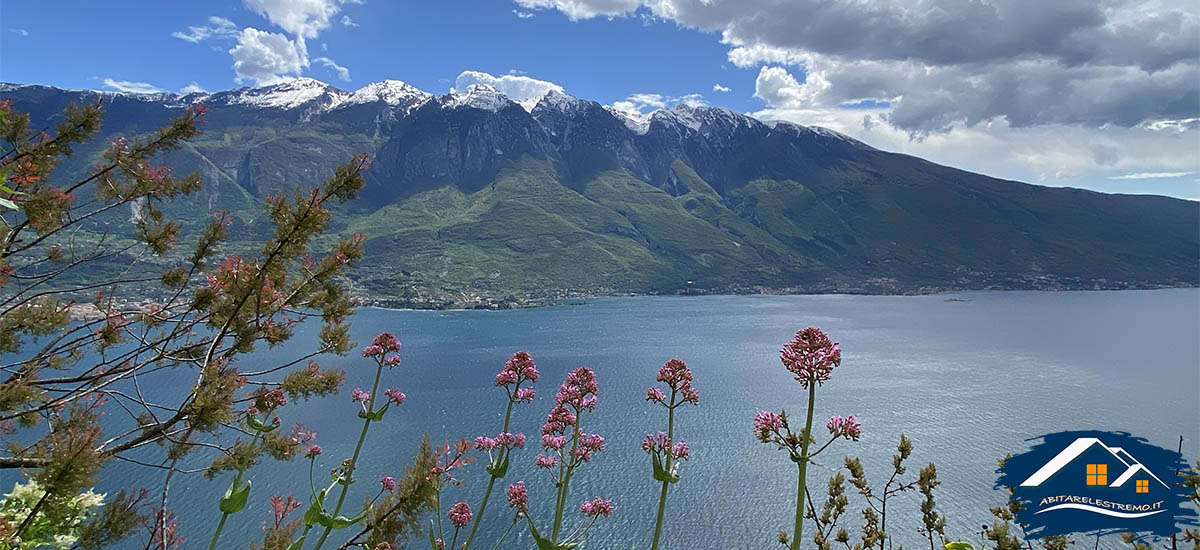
<point x="637" y="122"/>
<point x="390" y="92"/>
<point x="287" y="95"/>
<point x="479" y="96"/>
<point x="561" y="101"/>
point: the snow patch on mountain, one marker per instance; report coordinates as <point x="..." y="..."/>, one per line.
<point x="287" y="95"/>
<point x="390" y="92"/>
<point x="636" y="122"/>
<point x="478" y="96"/>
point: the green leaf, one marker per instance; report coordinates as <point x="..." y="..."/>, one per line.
<point x="297" y="545"/>
<point x="342" y="522"/>
<point x="432" y="539"/>
<point x="498" y="470"/>
<point x="959" y="546"/>
<point x="235" y="500"/>
<point x="660" y="473"/>
<point x="259" y="426"/>
<point x="8" y="204"/>
<point x="375" y="416"/>
<point x="312" y="516"/>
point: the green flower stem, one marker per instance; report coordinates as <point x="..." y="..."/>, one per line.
<point x="803" y="466"/>
<point x="491" y="481"/>
<point x="662" y="495"/>
<point x="506" y="532"/>
<point x="357" y="448"/>
<point x="237" y="480"/>
<point x="561" y="501"/>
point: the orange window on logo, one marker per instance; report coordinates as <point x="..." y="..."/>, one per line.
<point x="1143" y="486"/>
<point x="1097" y="474"/>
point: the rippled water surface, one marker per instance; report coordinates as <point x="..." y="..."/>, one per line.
<point x="967" y="376"/>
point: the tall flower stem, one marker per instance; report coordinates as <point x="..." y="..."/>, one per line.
<point x="802" y="464"/>
<point x="491" y="481"/>
<point x="662" y="496"/>
<point x="565" y="481"/>
<point x="362" y="436"/>
<point x="237" y="480"/>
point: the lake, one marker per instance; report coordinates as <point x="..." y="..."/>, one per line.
<point x="967" y="376"/>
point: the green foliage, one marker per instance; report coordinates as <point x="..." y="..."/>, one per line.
<point x="31" y="518"/>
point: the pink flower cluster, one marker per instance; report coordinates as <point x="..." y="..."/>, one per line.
<point x="767" y="423"/>
<point x="596" y="507"/>
<point x="661" y="444"/>
<point x="848" y="427"/>
<point x="313" y="451"/>
<point x="504" y="440"/>
<point x="459" y="514"/>
<point x="381" y="345"/>
<point x="811" y="356"/>
<point x="589" y="443"/>
<point x="394" y="395"/>
<point x="360" y="396"/>
<point x="516" y="371"/>
<point x="545" y="461"/>
<point x="388" y="483"/>
<point x="578" y="390"/>
<point x="678" y="377"/>
<point x="268" y="401"/>
<point x="518" y="497"/>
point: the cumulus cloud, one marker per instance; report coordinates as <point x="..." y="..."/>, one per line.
<point x="720" y="88"/>
<point x="1123" y="62"/>
<point x="217" y="27"/>
<point x="130" y="86"/>
<point x="192" y="88"/>
<point x="348" y="22"/>
<point x="266" y="57"/>
<point x="522" y="14"/>
<point x="301" y="18"/>
<point x="342" y="72"/>
<point x="516" y="87"/>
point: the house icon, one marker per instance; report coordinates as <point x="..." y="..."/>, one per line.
<point x="1096" y="465"/>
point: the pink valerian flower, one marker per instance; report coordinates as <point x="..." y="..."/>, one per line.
<point x="524" y="394"/>
<point x="387" y="342"/>
<point x="268" y="401"/>
<point x="577" y="388"/>
<point x="596" y="507"/>
<point x="656" y="443"/>
<point x="848" y="427"/>
<point x="552" y="442"/>
<point x="459" y="514"/>
<point x="656" y="395"/>
<point x="388" y="483"/>
<point x="360" y="396"/>
<point x="811" y="356"/>
<point x="518" y="497"/>
<point x="588" y="443"/>
<point x="765" y="424"/>
<point x="394" y="396"/>
<point x="681" y="451"/>
<point x="372" y="351"/>
<point x="518" y="369"/>
<point x="440" y="544"/>
<point x="485" y="443"/>
<point x="508" y="440"/>
<point x="545" y="461"/>
<point x="313" y="451"/>
<point x="392" y="360"/>
<point x="557" y="421"/>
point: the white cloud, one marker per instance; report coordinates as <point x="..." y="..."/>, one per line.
<point x="522" y="14"/>
<point x="301" y="18"/>
<point x="720" y="88"/>
<point x="516" y="87"/>
<point x="133" y="87"/>
<point x="584" y="9"/>
<point x="1150" y="176"/>
<point x="266" y="57"/>
<point x="192" y="88"/>
<point x="23" y="32"/>
<point x="217" y="27"/>
<point x="644" y="102"/>
<point x="347" y="22"/>
<point x="342" y="72"/>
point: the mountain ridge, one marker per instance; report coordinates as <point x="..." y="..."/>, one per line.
<point x="475" y="198"/>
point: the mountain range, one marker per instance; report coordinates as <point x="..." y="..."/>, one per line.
<point x="473" y="198"/>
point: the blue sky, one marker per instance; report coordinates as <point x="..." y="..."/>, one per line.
<point x="1068" y="106"/>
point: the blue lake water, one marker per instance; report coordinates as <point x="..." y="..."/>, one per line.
<point x="968" y="381"/>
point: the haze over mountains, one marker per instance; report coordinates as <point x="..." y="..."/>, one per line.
<point x="473" y="194"/>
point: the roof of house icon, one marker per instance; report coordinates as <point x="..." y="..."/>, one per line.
<point x="1076" y="448"/>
